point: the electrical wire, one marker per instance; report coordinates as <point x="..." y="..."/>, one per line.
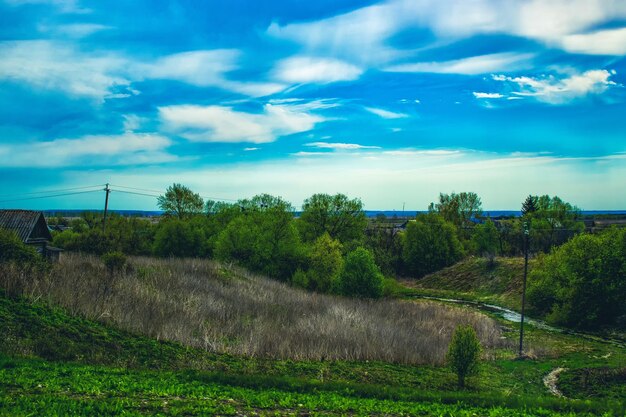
<point x="133" y="192"/>
<point x="53" y="191"/>
<point x="48" y="196"/>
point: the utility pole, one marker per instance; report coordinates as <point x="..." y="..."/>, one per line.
<point x="521" y="329"/>
<point x="107" y="190"/>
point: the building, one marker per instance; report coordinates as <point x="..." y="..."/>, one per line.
<point x="31" y="227"/>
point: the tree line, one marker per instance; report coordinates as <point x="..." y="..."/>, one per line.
<point x="331" y="246"/>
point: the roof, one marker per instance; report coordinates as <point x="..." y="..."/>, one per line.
<point x="27" y="224"/>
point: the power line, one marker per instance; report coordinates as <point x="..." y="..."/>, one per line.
<point x="135" y="193"/>
<point x="53" y="191"/>
<point x="137" y="189"/>
<point x="48" y="196"/>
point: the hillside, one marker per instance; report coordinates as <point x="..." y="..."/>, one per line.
<point x="68" y="350"/>
<point x="472" y="278"/>
<point x="54" y="364"/>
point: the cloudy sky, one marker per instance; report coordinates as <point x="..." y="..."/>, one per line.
<point x="391" y="101"/>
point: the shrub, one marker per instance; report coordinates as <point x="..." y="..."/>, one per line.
<point x="463" y="353"/>
<point x="114" y="261"/>
<point x="582" y="283"/>
<point x="360" y="277"/>
<point x="12" y="249"/>
<point x="430" y="243"/>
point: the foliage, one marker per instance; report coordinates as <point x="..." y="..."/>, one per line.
<point x="114" y="262"/>
<point x="343" y="219"/>
<point x="486" y="240"/>
<point x="179" y="201"/>
<point x="325" y="263"/>
<point x="263" y="238"/>
<point x="360" y="277"/>
<point x="12" y="249"/>
<point x="458" y="209"/>
<point x="429" y="244"/>
<point x="176" y="237"/>
<point x="529" y="205"/>
<point x="130" y="235"/>
<point x="464" y="353"/>
<point x="582" y="284"/>
<point x="553" y="222"/>
<point x="385" y="244"/>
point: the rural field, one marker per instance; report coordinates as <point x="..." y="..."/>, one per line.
<point x="196" y="337"/>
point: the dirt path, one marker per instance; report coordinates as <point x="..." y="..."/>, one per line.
<point x="551" y="380"/>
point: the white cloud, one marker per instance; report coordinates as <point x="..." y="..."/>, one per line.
<point x="386" y="114"/>
<point x="554" y="90"/>
<point x="59" y="66"/>
<point x="74" y="30"/>
<point x="205" y="68"/>
<point x="470" y="66"/>
<point x="339" y="146"/>
<point x="362" y="37"/>
<point x="224" y="124"/>
<point x="64" y="6"/>
<point x="251" y="149"/>
<point x="487" y="95"/>
<point x="602" y="42"/>
<point x="307" y="69"/>
<point x="125" y="149"/>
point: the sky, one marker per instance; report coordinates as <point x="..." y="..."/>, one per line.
<point x="392" y="102"/>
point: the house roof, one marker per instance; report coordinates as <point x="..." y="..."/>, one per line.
<point x="28" y="224"/>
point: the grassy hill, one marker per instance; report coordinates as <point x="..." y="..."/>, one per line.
<point x="473" y="278"/>
<point x="67" y="361"/>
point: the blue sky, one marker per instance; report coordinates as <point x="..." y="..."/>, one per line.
<point x="392" y="102"/>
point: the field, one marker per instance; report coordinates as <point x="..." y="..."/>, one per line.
<point x="74" y="360"/>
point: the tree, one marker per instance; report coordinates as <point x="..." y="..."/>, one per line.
<point x="176" y="237"/>
<point x="582" y="283"/>
<point x="486" y="240"/>
<point x="458" y="209"/>
<point x="553" y="222"/>
<point x="429" y="244"/>
<point x="179" y="201"/>
<point x="263" y="238"/>
<point x="343" y="219"/>
<point x="325" y="263"/>
<point x="464" y="353"/>
<point x="360" y="277"/>
<point x="530" y="205"/>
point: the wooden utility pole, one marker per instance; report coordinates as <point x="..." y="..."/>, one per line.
<point x="521" y="328"/>
<point x="107" y="190"/>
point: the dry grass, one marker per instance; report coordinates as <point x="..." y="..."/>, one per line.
<point x="223" y="309"/>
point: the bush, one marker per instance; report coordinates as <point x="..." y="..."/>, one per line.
<point x="12" y="249"/>
<point x="360" y="277"/>
<point x="114" y="261"/>
<point x="582" y="284"/>
<point x="429" y="244"/>
<point x="463" y="353"/>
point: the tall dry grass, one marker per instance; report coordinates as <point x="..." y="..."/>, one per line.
<point x="224" y="309"/>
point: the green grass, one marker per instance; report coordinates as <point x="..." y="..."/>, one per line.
<point x="473" y="279"/>
<point x="52" y="363"/>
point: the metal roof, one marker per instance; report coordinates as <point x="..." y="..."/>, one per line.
<point x="24" y="223"/>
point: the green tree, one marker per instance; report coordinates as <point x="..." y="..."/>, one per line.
<point x="464" y="353"/>
<point x="458" y="209"/>
<point x="582" y="283"/>
<point x="178" y="238"/>
<point x="360" y="277"/>
<point x="263" y="238"/>
<point x="552" y="223"/>
<point x="179" y="201"/>
<point x="529" y="205"/>
<point x="343" y="219"/>
<point x="486" y="240"/>
<point x="325" y="263"/>
<point x="429" y="244"/>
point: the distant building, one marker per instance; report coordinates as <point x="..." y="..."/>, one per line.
<point x="31" y="227"/>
